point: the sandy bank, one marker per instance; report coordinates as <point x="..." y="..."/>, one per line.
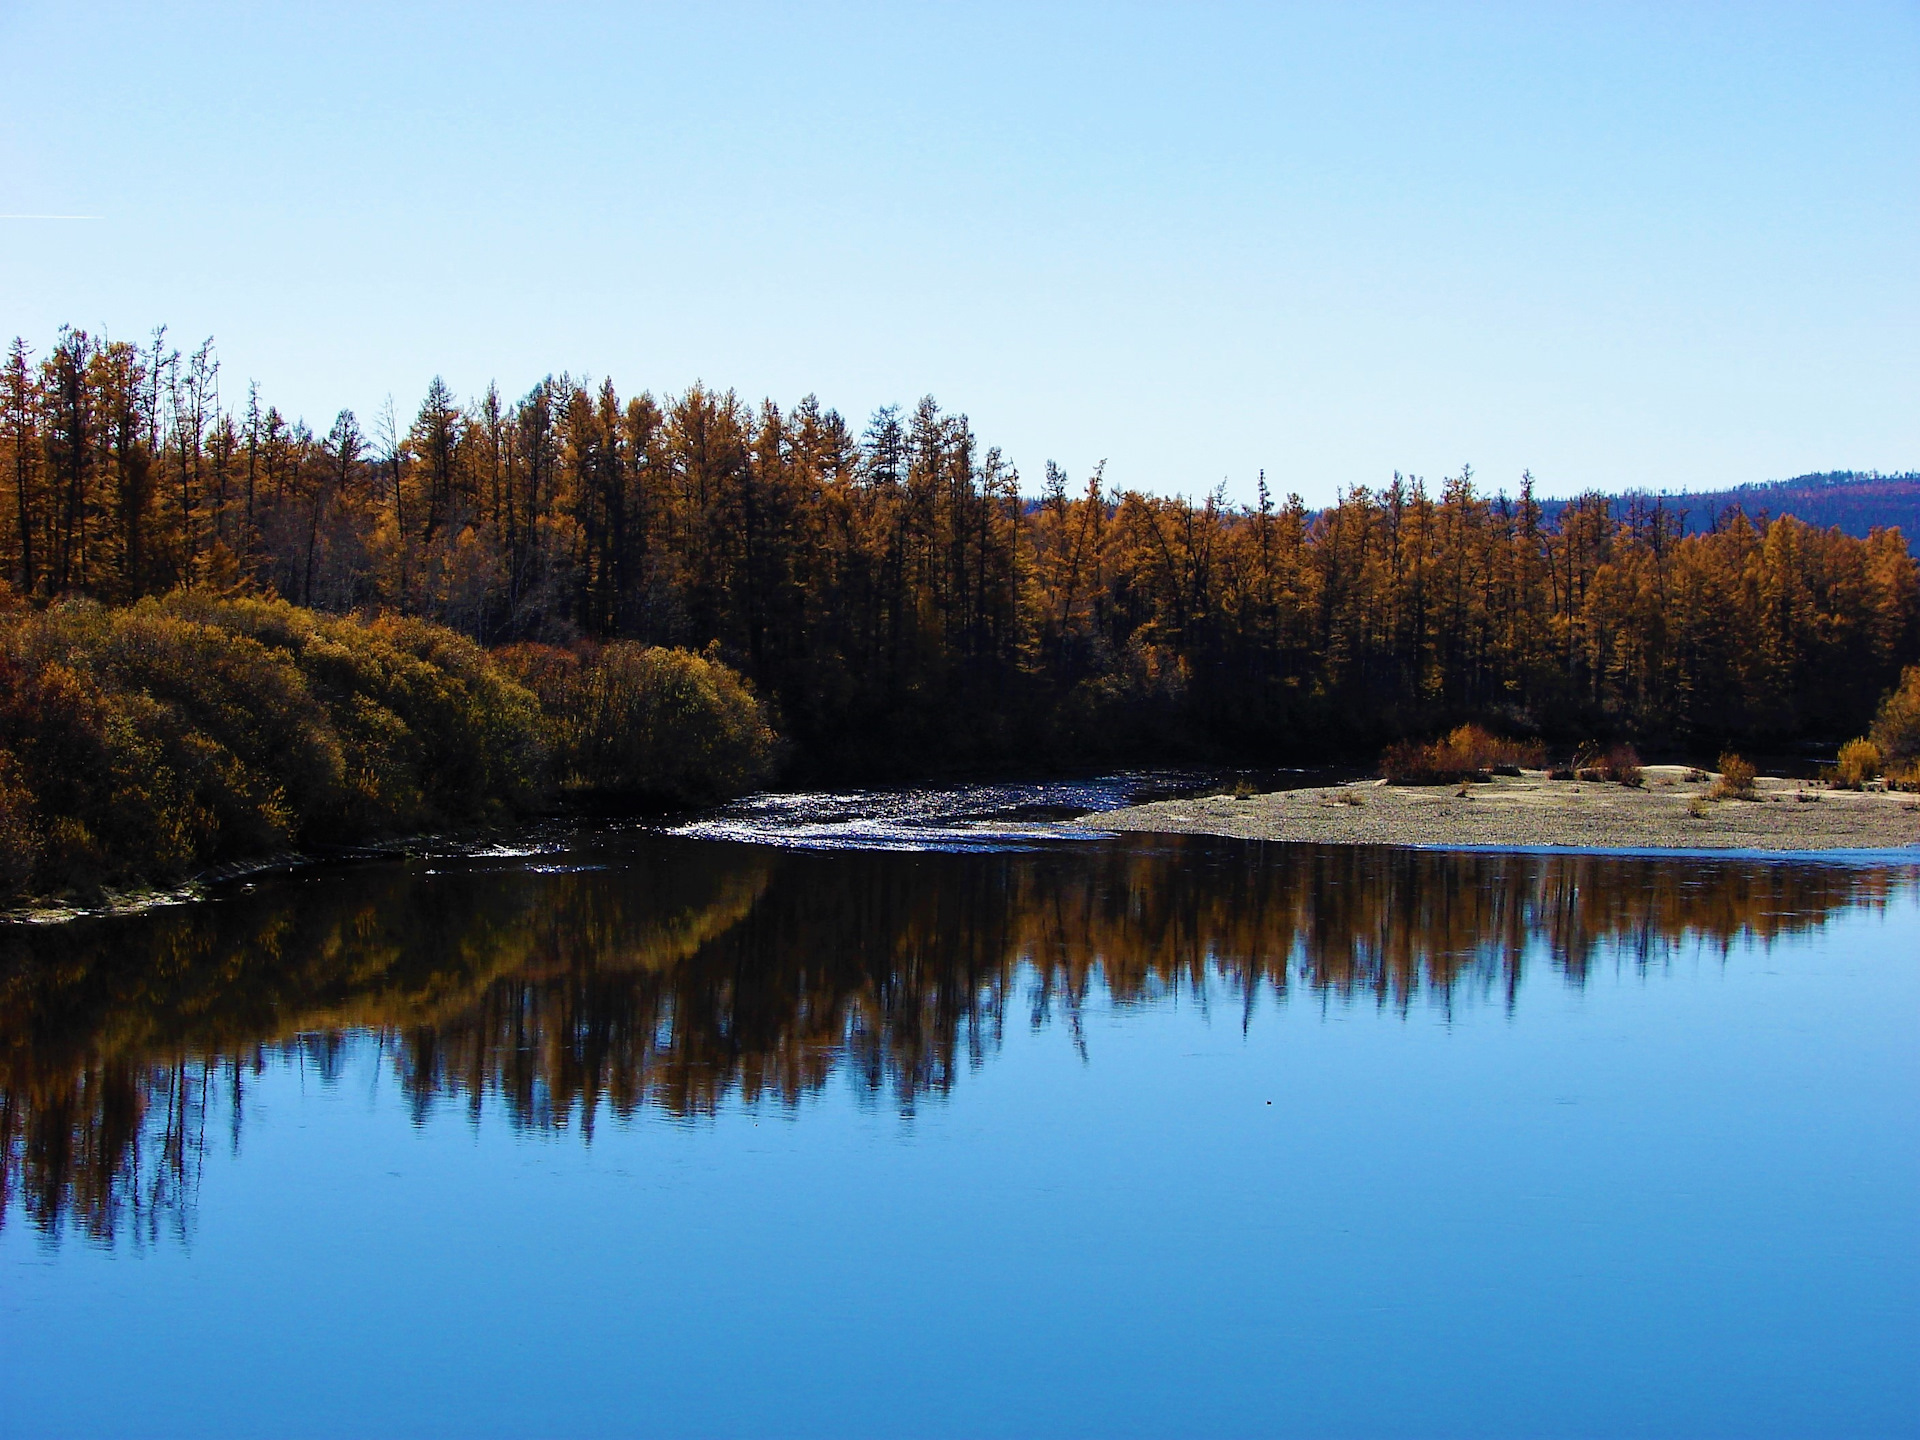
<point x="1533" y="810"/>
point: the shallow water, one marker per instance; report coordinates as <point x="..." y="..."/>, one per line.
<point x="956" y="818"/>
<point x="650" y="1134"/>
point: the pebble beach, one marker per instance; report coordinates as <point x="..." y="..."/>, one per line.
<point x="1670" y="810"/>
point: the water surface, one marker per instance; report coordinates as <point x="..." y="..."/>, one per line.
<point x="989" y="1134"/>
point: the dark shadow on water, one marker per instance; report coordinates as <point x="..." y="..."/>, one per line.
<point x="636" y="971"/>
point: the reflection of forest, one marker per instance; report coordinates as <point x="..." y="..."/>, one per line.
<point x="682" y="973"/>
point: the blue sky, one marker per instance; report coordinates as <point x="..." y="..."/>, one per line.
<point x="1666" y="245"/>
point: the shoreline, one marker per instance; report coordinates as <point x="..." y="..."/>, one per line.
<point x="199" y="888"/>
<point x="1531" y="812"/>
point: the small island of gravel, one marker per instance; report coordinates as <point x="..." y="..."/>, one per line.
<point x="1668" y="811"/>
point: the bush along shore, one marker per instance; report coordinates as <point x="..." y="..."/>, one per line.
<point x="1887" y="756"/>
<point x="142" y="745"/>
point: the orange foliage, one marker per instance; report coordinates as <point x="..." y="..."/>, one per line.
<point x="1736" y="781"/>
<point x="899" y="599"/>
<point x="1467" y="753"/>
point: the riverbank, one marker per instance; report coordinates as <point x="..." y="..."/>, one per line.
<point x="194" y="734"/>
<point x="1669" y="812"/>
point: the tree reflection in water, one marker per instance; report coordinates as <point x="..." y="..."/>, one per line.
<point x="677" y="974"/>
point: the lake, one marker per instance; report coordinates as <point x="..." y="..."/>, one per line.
<point x="823" y="1119"/>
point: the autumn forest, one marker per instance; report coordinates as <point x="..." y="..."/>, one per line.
<point x="902" y="596"/>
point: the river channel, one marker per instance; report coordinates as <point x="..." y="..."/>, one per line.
<point x="945" y="1113"/>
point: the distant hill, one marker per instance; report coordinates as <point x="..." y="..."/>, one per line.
<point x="1855" y="500"/>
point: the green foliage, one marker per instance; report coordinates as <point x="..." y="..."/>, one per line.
<point x="648" y="723"/>
<point x="146" y="742"/>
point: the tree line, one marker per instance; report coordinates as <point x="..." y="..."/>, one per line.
<point x="902" y="598"/>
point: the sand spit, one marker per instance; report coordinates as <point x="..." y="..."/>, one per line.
<point x="1530" y="810"/>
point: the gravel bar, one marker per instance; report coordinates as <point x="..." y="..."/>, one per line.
<point x="1669" y="811"/>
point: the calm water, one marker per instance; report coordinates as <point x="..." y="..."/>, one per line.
<point x="656" y="1134"/>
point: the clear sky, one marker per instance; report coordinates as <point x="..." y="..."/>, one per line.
<point x="1666" y="245"/>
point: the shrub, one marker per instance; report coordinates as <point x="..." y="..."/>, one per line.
<point x="1467" y="753"/>
<point x="20" y="839"/>
<point x="1859" y="762"/>
<point x="148" y="741"/>
<point x="1409" y="762"/>
<point x="1622" y="765"/>
<point x="653" y="724"/>
<point x="1736" y="780"/>
<point x="1896" y="729"/>
<point x="428" y="728"/>
<point x="140" y="744"/>
<point x="1615" y="764"/>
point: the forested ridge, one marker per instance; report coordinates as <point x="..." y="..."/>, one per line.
<point x="1858" y="501"/>
<point x="904" y="598"/>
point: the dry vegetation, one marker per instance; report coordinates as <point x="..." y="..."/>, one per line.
<point x="1472" y="753"/>
<point x="1736" y="780"/>
<point x="145" y="743"/>
<point x="1858" y="763"/>
<point x="1617" y="764"/>
<point x="1466" y="753"/>
<point x="1891" y="750"/>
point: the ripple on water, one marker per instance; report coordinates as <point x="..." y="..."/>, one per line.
<point x="985" y="817"/>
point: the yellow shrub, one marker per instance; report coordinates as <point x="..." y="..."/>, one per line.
<point x="1859" y="762"/>
<point x="1736" y="780"/>
<point x="1468" y="752"/>
<point x="1896" y="729"/>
